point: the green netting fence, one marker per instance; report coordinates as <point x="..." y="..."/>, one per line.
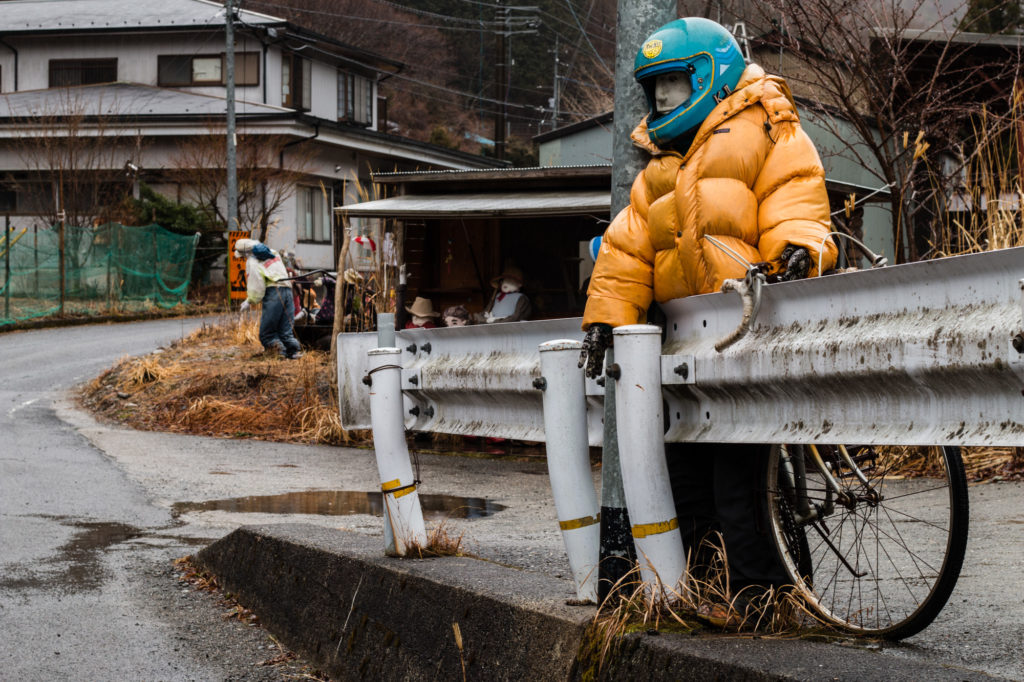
<point x="106" y="269"/>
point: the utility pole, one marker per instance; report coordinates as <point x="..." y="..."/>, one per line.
<point x="555" y="89"/>
<point x="229" y="79"/>
<point x="637" y="19"/>
<point x="501" y="77"/>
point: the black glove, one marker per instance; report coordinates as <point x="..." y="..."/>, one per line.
<point x="798" y="263"/>
<point x="595" y="343"/>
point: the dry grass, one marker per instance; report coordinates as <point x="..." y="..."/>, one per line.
<point x="707" y="602"/>
<point x="219" y="382"/>
<point x="440" y="542"/>
<point x="981" y="464"/>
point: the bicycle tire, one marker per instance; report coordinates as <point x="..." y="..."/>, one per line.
<point x="885" y="559"/>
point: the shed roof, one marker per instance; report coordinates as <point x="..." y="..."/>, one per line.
<point x="488" y="205"/>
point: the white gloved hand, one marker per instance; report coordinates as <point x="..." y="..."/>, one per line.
<point x="244" y="306"/>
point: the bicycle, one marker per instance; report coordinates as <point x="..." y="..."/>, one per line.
<point x="870" y="551"/>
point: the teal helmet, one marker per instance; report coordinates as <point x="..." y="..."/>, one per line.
<point x="701" y="48"/>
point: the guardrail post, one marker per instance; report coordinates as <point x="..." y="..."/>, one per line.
<point x="568" y="455"/>
<point x="645" y="482"/>
<point x="403" y="517"/>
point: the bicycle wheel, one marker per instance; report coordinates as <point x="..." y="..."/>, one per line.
<point x="874" y="552"/>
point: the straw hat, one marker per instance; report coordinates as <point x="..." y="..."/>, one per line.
<point x="422" y="307"/>
<point x="511" y="272"/>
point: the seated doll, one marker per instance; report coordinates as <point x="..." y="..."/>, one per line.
<point x="422" y="314"/>
<point x="507" y="304"/>
<point x="455" y="316"/>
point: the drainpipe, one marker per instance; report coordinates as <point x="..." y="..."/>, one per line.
<point x="11" y="48"/>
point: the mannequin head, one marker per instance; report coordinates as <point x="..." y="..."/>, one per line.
<point x="671" y="89"/>
<point x="510" y="286"/>
<point x="456" y="316"/>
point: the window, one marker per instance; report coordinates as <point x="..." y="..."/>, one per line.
<point x="66" y="72"/>
<point x="355" y="98"/>
<point x="313" y="221"/>
<point x="184" y="70"/>
<point x="296" y="78"/>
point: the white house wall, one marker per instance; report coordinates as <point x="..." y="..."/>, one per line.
<point x="136" y="59"/>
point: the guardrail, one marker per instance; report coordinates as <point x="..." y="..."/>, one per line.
<point x="923" y="353"/>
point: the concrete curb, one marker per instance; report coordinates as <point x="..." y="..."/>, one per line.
<point x="356" y="614"/>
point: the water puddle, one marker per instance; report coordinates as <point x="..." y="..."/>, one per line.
<point x="343" y="503"/>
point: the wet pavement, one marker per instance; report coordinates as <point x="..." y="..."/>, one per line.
<point x="87" y="588"/>
<point x="91" y="515"/>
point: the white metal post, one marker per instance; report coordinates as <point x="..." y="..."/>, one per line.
<point x="403" y="517"/>
<point x="568" y="455"/>
<point x="645" y="482"/>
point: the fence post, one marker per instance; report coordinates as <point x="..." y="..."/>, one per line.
<point x="568" y="455"/>
<point x="60" y="265"/>
<point x="7" y="267"/>
<point x="645" y="482"/>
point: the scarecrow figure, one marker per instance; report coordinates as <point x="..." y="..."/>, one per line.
<point x="267" y="282"/>
<point x="729" y="159"/>
<point x="423" y="314"/>
<point x="508" y="303"/>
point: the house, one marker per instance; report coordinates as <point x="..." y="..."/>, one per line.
<point x="149" y="78"/>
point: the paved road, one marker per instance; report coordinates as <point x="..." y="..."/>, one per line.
<point x="87" y="531"/>
<point x="87" y="589"/>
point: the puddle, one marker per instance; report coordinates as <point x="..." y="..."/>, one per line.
<point x="78" y="564"/>
<point x="343" y="503"/>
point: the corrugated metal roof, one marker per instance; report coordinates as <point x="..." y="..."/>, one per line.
<point x="497" y="204"/>
<point x="90" y="15"/>
<point x="122" y="99"/>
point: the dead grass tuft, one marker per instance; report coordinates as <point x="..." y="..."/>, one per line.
<point x="217" y="381"/>
<point x="707" y="601"/>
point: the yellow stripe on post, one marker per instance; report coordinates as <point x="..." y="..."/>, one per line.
<point x="396" y="485"/>
<point x="642" y="530"/>
<point x="581" y="522"/>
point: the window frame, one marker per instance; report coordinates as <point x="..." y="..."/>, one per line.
<point x="240" y="57"/>
<point x="300" y="77"/>
<point x="54" y="65"/>
<point x="325" y="236"/>
<point x="347" y="103"/>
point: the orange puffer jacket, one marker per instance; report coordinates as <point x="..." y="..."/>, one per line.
<point x="751" y="178"/>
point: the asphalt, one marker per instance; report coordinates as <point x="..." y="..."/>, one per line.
<point x="92" y="513"/>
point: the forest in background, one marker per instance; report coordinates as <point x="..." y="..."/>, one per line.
<point x="448" y="92"/>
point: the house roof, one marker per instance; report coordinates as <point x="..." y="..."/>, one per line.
<point x="41" y="17"/>
<point x="34" y="16"/>
<point x="124" y="99"/>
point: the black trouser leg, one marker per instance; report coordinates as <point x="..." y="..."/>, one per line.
<point x="719" y="487"/>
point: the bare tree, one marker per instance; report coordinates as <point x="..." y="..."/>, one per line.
<point x="909" y="91"/>
<point x="75" y="154"/>
<point x="269" y="166"/>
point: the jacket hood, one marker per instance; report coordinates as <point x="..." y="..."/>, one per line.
<point x="755" y="86"/>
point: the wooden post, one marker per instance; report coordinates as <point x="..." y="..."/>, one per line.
<point x="60" y="265"/>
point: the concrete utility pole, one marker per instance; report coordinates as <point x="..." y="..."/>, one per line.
<point x="637" y="19"/>
<point x="229" y="79"/>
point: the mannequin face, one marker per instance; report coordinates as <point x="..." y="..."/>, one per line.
<point x="509" y="286"/>
<point x="671" y="89"/>
<point x="452" y="321"/>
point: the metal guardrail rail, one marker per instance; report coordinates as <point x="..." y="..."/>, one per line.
<point x="923" y="353"/>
